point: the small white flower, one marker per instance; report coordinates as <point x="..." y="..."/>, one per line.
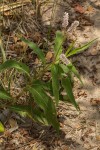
<point x="65" y="20"/>
<point x="64" y="59"/>
<point x="73" y="26"/>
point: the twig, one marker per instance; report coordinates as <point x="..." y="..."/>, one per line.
<point x="11" y="6"/>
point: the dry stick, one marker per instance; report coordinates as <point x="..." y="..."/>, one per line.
<point x="13" y="6"/>
<point x="2" y="50"/>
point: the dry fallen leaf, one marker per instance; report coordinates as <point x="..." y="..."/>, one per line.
<point x="13" y="123"/>
<point x="36" y="61"/>
<point x="8" y="13"/>
<point x="95" y="101"/>
<point x="90" y="9"/>
<point x="20" y="47"/>
<point x="15" y="39"/>
<point x="98" y="137"/>
<point x="49" y="56"/>
<point x="37" y="37"/>
<point x="79" y="9"/>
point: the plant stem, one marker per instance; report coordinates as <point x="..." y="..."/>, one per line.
<point x="2" y="51"/>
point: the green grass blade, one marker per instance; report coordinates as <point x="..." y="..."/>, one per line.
<point x="39" y="96"/>
<point x="52" y="115"/>
<point x="55" y="82"/>
<point x="66" y="83"/>
<point x="46" y="104"/>
<point x="35" y="49"/>
<point x="64" y="68"/>
<point x="70" y="48"/>
<point x="23" y="110"/>
<point x="4" y="95"/>
<point x="14" y="64"/>
<point x="39" y="116"/>
<point x="72" y="68"/>
<point x="58" y="44"/>
<point x="80" y="49"/>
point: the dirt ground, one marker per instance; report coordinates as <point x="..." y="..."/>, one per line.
<point x="79" y="130"/>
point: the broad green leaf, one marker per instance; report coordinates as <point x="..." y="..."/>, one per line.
<point x="47" y="86"/>
<point x="64" y="68"/>
<point x="52" y="115"/>
<point x="4" y="95"/>
<point x="55" y="82"/>
<point x="35" y="48"/>
<point x="40" y="97"/>
<point x="66" y="83"/>
<point x="17" y="108"/>
<point x="80" y="49"/>
<point x="1" y="127"/>
<point x="38" y="115"/>
<point x="58" y="44"/>
<point x="14" y="64"/>
<point x="46" y="104"/>
<point x="34" y="113"/>
<point x="23" y="110"/>
<point x="72" y="68"/>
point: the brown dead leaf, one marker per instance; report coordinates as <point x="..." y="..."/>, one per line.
<point x="90" y="9"/>
<point x="8" y="13"/>
<point x="13" y="123"/>
<point x="98" y="137"/>
<point x="36" y="61"/>
<point x="95" y="101"/>
<point x="78" y="126"/>
<point x="15" y="39"/>
<point x="21" y="47"/>
<point x="79" y="8"/>
<point x="49" y="56"/>
<point x="37" y="37"/>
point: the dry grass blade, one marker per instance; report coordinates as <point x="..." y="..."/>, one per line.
<point x="11" y="6"/>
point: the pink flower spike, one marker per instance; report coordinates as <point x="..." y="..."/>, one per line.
<point x="65" y="20"/>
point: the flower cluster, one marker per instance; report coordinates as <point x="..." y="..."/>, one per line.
<point x="73" y="26"/>
<point x="64" y="59"/>
<point x="65" y="20"/>
<point x="65" y="23"/>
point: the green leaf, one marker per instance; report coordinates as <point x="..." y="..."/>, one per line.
<point x="14" y="64"/>
<point x="55" y="82"/>
<point x="35" y="48"/>
<point x="72" y="68"/>
<point x="40" y="97"/>
<point x="52" y="115"/>
<point x="58" y="44"/>
<point x="66" y="83"/>
<point x="46" y="104"/>
<point x="70" y="48"/>
<point x="17" y="108"/>
<point x="39" y="116"/>
<point x="1" y="127"/>
<point x="23" y="110"/>
<point x="64" y="68"/>
<point x="4" y="95"/>
<point x="80" y="49"/>
<point x="34" y="113"/>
